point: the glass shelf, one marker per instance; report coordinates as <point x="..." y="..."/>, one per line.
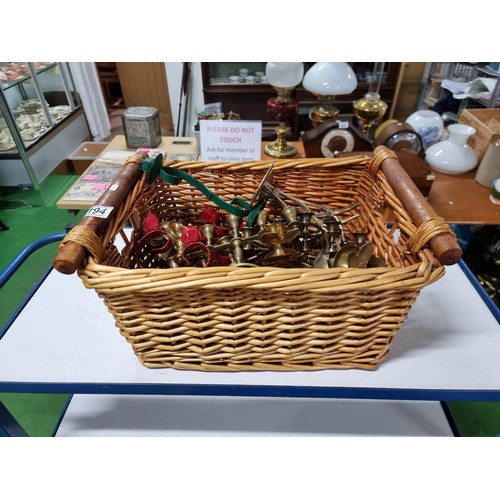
<point x="36" y="102"/>
<point x="13" y="82"/>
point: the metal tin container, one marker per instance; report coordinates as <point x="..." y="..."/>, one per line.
<point x="141" y="126"/>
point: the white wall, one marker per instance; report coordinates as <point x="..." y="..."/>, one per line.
<point x="194" y="99"/>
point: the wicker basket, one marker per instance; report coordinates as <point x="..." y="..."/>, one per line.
<point x="264" y="318"/>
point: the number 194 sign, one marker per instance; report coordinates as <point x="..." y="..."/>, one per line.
<point x="99" y="211"/>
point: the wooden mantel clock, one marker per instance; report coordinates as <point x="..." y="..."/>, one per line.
<point x="336" y="135"/>
<point x="399" y="136"/>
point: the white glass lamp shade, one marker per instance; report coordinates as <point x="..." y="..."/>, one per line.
<point x="284" y="74"/>
<point x="453" y="155"/>
<point x="330" y="78"/>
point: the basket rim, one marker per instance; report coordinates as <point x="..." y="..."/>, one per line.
<point x="117" y="280"/>
<point x="276" y="164"/>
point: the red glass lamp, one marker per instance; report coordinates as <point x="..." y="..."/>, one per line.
<point x="284" y="77"/>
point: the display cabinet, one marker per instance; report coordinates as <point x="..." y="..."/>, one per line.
<point x="41" y="121"/>
<point x="241" y="87"/>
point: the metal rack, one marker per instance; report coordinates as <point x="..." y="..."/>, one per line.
<point x="436" y="72"/>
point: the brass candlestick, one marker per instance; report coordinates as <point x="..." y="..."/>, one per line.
<point x="280" y="148"/>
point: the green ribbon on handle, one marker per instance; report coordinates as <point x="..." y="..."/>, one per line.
<point x="154" y="168"/>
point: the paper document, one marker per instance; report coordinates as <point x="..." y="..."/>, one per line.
<point x="479" y="88"/>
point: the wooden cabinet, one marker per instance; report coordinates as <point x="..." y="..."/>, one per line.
<point x="249" y="99"/>
<point x="145" y="84"/>
<point x="110" y="84"/>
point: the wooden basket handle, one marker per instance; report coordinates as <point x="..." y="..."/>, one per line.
<point x="71" y="254"/>
<point x="444" y="245"/>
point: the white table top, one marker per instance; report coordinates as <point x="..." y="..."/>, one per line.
<point x="66" y="340"/>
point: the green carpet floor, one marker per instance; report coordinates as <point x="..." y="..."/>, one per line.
<point x="29" y="220"/>
<point x="31" y="216"/>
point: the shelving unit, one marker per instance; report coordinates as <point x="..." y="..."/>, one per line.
<point x="437" y="72"/>
<point x="110" y="84"/>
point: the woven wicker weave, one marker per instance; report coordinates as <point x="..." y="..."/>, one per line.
<point x="265" y="318"/>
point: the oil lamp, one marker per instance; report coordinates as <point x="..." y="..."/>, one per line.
<point x="284" y="77"/>
<point x="371" y="108"/>
<point x="326" y="80"/>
